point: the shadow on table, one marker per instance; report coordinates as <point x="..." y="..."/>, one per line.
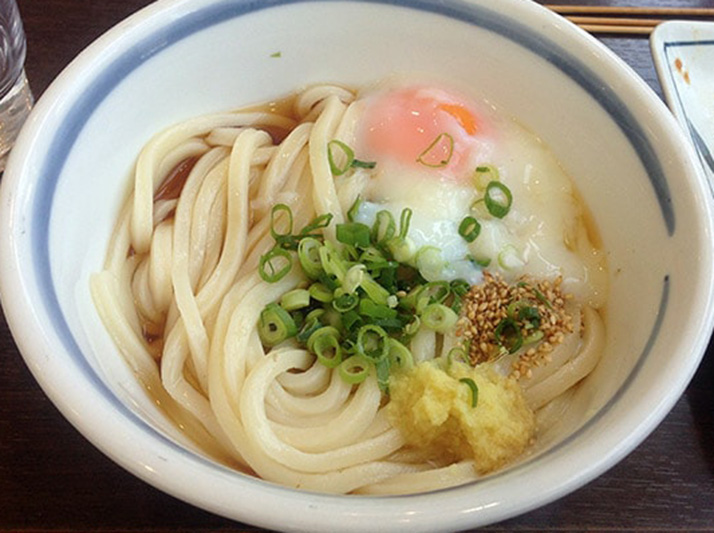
<point x="700" y="396"/>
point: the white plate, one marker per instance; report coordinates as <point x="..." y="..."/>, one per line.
<point x="684" y="57"/>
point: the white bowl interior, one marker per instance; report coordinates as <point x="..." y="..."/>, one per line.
<point x="71" y="171"/>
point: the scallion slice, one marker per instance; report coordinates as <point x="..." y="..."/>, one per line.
<point x="358" y="163"/>
<point x="295" y="299"/>
<point x="400" y="355"/>
<point x="337" y="150"/>
<point x="431" y="157"/>
<point x="384" y="227"/>
<point x="469" y="229"/>
<point x="331" y="261"/>
<point x="382" y="368"/>
<point x="308" y="252"/>
<point x="373" y="310"/>
<point x="439" y="318"/>
<point x="275" y="265"/>
<point x="498" y="199"/>
<point x="280" y="234"/>
<point x="319" y="292"/>
<point x="310" y="325"/>
<point x="325" y="330"/>
<point x="457" y="354"/>
<point x="508" y="335"/>
<point x="353" y="233"/>
<point x="328" y="350"/>
<point x="429" y="262"/>
<point x="483" y="175"/>
<point x="344" y="301"/>
<point x="319" y="222"/>
<point x="372" y="342"/>
<point x="355" y="369"/>
<point x="275" y="325"/>
<point x="353" y="278"/>
<point x="474" y="390"/>
<point x="352" y="212"/>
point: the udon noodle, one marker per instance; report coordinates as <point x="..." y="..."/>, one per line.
<point x="219" y="206"/>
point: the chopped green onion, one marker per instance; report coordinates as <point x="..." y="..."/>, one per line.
<point x="483" y="175"/>
<point x="382" y="367"/>
<point x="434" y="292"/>
<point x="354" y="369"/>
<point x="431" y="157"/>
<point x="533" y="337"/>
<point x="328" y="350"/>
<point x="474" y="390"/>
<point x="531" y="316"/>
<point x="308" y="252"/>
<point x="457" y="354"/>
<point x="384" y="227"/>
<point x="316" y="223"/>
<point x="514" y="308"/>
<point x="353" y="234"/>
<point x="344" y="301"/>
<point x="545" y="301"/>
<point x="319" y="292"/>
<point x="404" y="222"/>
<point x="295" y="299"/>
<point x="374" y="310"/>
<point x="439" y="318"/>
<point x="483" y="263"/>
<point x="403" y="249"/>
<point x="400" y="355"/>
<point x="347" y="156"/>
<point x="469" y="229"/>
<point x="356" y="163"/>
<point x="459" y="287"/>
<point x="352" y="212"/>
<point x="310" y="325"/>
<point x="498" y="199"/>
<point x="412" y="327"/>
<point x="274" y="213"/>
<point x="429" y="262"/>
<point x="331" y="261"/>
<point x="275" y="265"/>
<point x="372" y="342"/>
<point x="353" y="278"/>
<point x="374" y="290"/>
<point x="351" y="320"/>
<point x="275" y="325"/>
<point x="324" y="330"/>
<point x="508" y="335"/>
<point x="508" y="258"/>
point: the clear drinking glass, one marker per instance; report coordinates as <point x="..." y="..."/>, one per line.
<point x="15" y="96"/>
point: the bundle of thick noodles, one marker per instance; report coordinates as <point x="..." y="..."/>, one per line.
<point x="370" y="294"/>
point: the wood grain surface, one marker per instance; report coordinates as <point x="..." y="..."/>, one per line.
<point x="52" y="479"/>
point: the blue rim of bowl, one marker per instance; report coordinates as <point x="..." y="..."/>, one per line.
<point x="112" y="74"/>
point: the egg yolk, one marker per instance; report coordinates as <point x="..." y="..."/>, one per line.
<point x="421" y="126"/>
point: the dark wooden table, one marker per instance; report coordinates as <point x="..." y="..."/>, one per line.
<point x="52" y="479"/>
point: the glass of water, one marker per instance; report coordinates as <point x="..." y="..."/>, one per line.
<point x="15" y="96"/>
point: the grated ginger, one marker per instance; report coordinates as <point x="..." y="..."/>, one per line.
<point x="434" y="412"/>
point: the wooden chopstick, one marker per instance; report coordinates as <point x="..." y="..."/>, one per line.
<point x="621" y="29"/>
<point x="625" y="20"/>
<point x="640" y="11"/>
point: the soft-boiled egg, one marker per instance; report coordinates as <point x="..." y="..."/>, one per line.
<point x="425" y="128"/>
<point x="427" y="143"/>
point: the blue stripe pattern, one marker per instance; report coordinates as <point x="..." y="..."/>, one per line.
<point x="105" y="82"/>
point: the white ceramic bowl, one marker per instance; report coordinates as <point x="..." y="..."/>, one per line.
<point x="178" y="58"/>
